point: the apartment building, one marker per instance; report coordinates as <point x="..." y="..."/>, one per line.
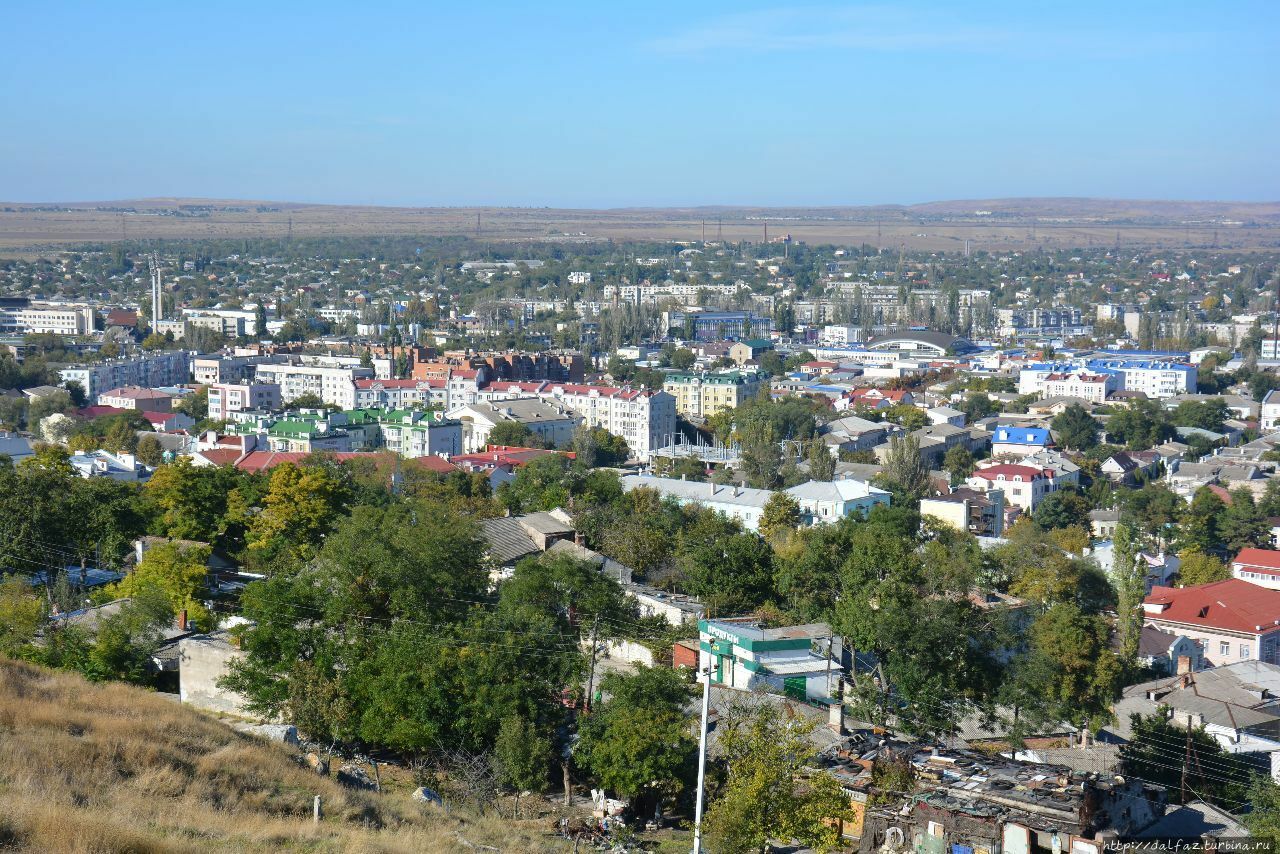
<point x="1231" y="620"/>
<point x="218" y="368"/>
<point x="228" y="398"/>
<point x="19" y="316"/>
<point x="333" y="385"/>
<point x="1154" y="378"/>
<point x="150" y="370"/>
<point x="1023" y="486"/>
<point x="551" y="423"/>
<point x="702" y="395"/>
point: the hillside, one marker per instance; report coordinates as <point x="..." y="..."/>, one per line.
<point x="104" y="768"/>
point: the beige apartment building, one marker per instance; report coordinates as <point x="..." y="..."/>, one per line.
<point x="702" y="395"/>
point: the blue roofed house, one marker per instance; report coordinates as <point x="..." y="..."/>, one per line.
<point x="1019" y="441"/>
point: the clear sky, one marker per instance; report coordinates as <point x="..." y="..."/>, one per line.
<point x="613" y="103"/>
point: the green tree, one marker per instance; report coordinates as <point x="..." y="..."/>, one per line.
<point x="178" y="571"/>
<point x="978" y="406"/>
<point x="1212" y="774"/>
<point x="822" y="466"/>
<point x="1203" y="414"/>
<point x="781" y="515"/>
<point x="48" y="404"/>
<point x="1200" y="568"/>
<point x="1063" y="509"/>
<point x="523" y="756"/>
<point x="761" y="458"/>
<point x="683" y="359"/>
<point x="764" y="796"/>
<point x="731" y="572"/>
<point x="905" y="415"/>
<point x="513" y="434"/>
<point x="1242" y="523"/>
<point x="904" y="471"/>
<point x="1129" y="578"/>
<point x="1083" y="674"/>
<point x="1075" y="428"/>
<point x="301" y="503"/>
<point x="150" y="452"/>
<point x="1200" y="523"/>
<point x="1263" y="818"/>
<point x="639" y="743"/>
<point x="21" y="616"/>
<point x="958" y="462"/>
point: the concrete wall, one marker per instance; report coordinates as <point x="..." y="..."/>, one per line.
<point x="202" y="661"/>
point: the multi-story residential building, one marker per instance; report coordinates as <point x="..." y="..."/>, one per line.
<point x="402" y="394"/>
<point x="1271" y="410"/>
<point x="1154" y="378"/>
<point x="1023" y="486"/>
<point x="417" y="434"/>
<point x="333" y="385"/>
<point x="702" y="395"/>
<point x="161" y="368"/>
<point x="19" y="316"/>
<point x="228" y="398"/>
<point x="551" y="423"/>
<point x="1091" y="387"/>
<point x="1258" y="566"/>
<point x="717" y="325"/>
<point x="1232" y="620"/>
<point x="240" y="321"/>
<point x="1040" y="322"/>
<point x="979" y="513"/>
<point x="645" y="419"/>
<point x="218" y="368"/>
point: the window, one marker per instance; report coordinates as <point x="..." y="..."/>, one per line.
<point x="1244" y="650"/>
<point x="1224" y="648"/>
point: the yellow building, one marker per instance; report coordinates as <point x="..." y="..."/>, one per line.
<point x="702" y="395"/>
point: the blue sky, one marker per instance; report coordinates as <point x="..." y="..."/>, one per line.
<point x="613" y="104"/>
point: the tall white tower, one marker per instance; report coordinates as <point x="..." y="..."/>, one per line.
<point x="157" y="301"/>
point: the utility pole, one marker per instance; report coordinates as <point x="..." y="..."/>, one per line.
<point x="591" y="674"/>
<point x="1186" y="762"/>
<point x="702" y="761"/>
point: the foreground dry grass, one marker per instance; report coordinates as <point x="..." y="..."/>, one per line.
<point x="110" y="768"/>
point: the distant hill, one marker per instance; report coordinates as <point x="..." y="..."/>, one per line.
<point x="87" y="767"/>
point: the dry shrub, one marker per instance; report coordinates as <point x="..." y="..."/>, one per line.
<point x="111" y="768"/>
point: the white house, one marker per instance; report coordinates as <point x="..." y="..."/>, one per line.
<point x="1023" y="486"/>
<point x="830" y="501"/>
<point x="553" y="424"/>
<point x="742" y="655"/>
<point x="737" y="502"/>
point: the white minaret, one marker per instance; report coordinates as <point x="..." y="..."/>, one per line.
<point x="157" y="301"/>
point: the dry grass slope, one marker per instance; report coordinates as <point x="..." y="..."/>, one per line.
<point x="111" y="768"/>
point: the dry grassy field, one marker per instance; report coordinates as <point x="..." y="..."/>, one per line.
<point x="111" y="768"/>
<point x="1012" y="224"/>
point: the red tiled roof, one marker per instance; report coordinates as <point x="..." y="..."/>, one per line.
<point x="388" y="384"/>
<point x="436" y="464"/>
<point x="503" y="455"/>
<point x="256" y="461"/>
<point x="1011" y="470"/>
<point x="100" y="411"/>
<point x="1231" y="605"/>
<point x="221" y="456"/>
<point x="1258" y="559"/>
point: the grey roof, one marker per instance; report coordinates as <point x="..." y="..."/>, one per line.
<point x="508" y="541"/>
<point x="690" y="490"/>
<point x="527" y="410"/>
<point x="1239" y="696"/>
<point x="1154" y="642"/>
<point x="843" y="489"/>
<point x="936" y="339"/>
<point x="852" y="425"/>
<point x="606" y="565"/>
<point x="15" y="447"/>
<point x="1194" y="821"/>
<point x="1104" y="515"/>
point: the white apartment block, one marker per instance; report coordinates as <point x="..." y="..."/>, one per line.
<point x="1091" y="387"/>
<point x="401" y="394"/>
<point x="1154" y="379"/>
<point x="226" y="399"/>
<point x="336" y="385"/>
<point x="167" y="367"/>
<point x="645" y="419"/>
<point x="28" y="319"/>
